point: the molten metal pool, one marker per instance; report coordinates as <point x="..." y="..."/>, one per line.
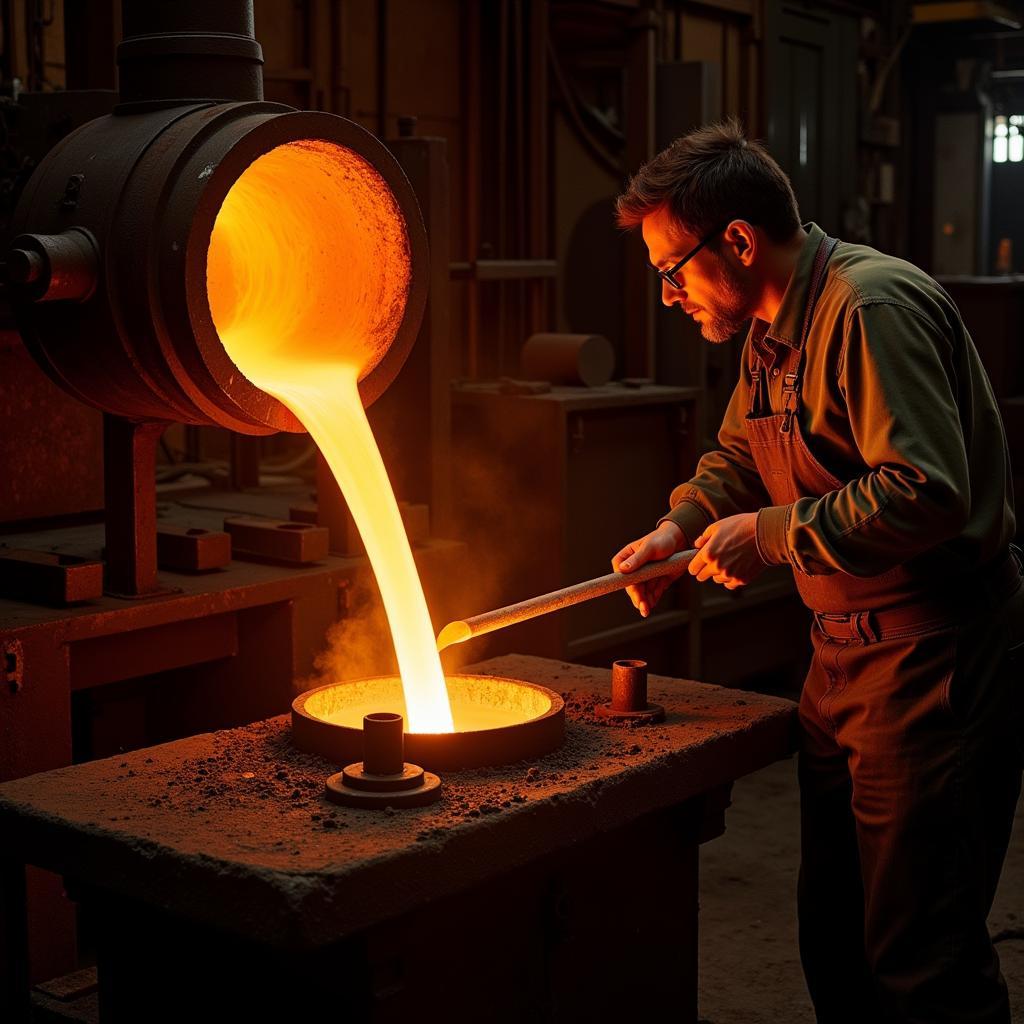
<point x="497" y="721"/>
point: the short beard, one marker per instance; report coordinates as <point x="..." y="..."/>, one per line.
<point x="733" y="305"/>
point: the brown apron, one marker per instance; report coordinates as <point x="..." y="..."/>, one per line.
<point x="790" y="471"/>
<point x="911" y="717"/>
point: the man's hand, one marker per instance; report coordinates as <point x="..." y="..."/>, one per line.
<point x="727" y="552"/>
<point x="666" y="540"/>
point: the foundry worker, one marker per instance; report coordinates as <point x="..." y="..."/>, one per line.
<point x="863" y="448"/>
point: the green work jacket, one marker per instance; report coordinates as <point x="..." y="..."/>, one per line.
<point x="896" y="404"/>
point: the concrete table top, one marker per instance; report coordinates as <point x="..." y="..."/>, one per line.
<point x="231" y="829"/>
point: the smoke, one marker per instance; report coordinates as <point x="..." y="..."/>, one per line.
<point x="509" y="513"/>
<point x="359" y="644"/>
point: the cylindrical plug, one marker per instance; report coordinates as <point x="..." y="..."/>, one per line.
<point x="383" y="778"/>
<point x="629" y="685"/>
<point x="47" y="268"/>
<point x="383" y="744"/>
<point x="629" y="695"/>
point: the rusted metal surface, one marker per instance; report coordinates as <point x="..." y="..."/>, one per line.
<point x="477" y="625"/>
<point x="383" y="778"/>
<point x="191" y="548"/>
<point x="629" y="695"/>
<point x="129" y="486"/>
<point x="277" y="539"/>
<point x="48" y="577"/>
<point x="317" y="729"/>
<point x="147" y="651"/>
<point x="629" y="685"/>
<point x="42" y="426"/>
<point x="303" y="512"/>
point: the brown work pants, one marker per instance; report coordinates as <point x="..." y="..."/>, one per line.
<point x="910" y="769"/>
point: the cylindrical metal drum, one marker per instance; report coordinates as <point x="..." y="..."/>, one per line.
<point x="125" y="259"/>
<point x="574" y="359"/>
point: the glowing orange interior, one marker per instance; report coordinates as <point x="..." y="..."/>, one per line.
<point x="307" y="275"/>
<point x="478" y="702"/>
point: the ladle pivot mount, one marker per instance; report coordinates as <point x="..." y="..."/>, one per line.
<point x="383" y="778"/>
<point x="629" y="696"/>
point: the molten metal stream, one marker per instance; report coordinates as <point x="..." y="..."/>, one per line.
<point x="307" y="274"/>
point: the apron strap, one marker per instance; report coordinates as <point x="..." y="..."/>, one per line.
<point x="793" y="382"/>
<point x="756" y="370"/>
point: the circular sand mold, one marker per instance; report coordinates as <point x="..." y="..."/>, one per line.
<point x="497" y="721"/>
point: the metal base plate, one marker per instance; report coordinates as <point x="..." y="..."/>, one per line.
<point x="652" y="713"/>
<point x="337" y="791"/>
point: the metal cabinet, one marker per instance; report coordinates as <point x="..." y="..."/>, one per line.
<point x="548" y="487"/>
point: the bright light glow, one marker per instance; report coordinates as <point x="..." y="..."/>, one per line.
<point x="1008" y="138"/>
<point x="1016" y="147"/>
<point x="307" y="276"/>
<point x="999" y="146"/>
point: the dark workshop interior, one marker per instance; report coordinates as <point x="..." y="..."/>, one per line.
<point x="227" y="228"/>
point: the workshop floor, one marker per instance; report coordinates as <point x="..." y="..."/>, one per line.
<point x="750" y="969"/>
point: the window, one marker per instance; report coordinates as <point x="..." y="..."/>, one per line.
<point x="1008" y="139"/>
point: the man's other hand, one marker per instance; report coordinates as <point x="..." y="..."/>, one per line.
<point x="727" y="552"/>
<point x="666" y="540"/>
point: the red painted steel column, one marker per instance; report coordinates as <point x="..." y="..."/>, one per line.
<point x="129" y="487"/>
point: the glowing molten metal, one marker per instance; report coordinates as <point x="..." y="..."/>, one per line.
<point x="307" y="275"/>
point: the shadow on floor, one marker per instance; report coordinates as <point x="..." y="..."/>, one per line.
<point x="749" y="966"/>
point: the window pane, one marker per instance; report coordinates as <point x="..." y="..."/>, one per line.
<point x="1016" y="148"/>
<point x="1017" y="119"/>
<point x="999" y="150"/>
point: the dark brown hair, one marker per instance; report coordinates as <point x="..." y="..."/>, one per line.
<point x="708" y="177"/>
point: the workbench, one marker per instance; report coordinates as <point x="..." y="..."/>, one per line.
<point x="224" y="886"/>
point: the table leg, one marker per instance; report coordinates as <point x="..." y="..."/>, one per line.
<point x="14" y="983"/>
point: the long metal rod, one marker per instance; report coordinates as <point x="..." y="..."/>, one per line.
<point x="465" y="629"/>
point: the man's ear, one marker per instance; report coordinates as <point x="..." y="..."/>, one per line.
<point x="742" y="237"/>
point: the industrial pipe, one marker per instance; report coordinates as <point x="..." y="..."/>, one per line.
<point x="191" y="51"/>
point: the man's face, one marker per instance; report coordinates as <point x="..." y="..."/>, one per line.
<point x="719" y="296"/>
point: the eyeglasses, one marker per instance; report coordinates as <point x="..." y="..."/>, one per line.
<point x="669" y="276"/>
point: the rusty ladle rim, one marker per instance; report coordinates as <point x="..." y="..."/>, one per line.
<point x="476" y="748"/>
<point x="297" y="126"/>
